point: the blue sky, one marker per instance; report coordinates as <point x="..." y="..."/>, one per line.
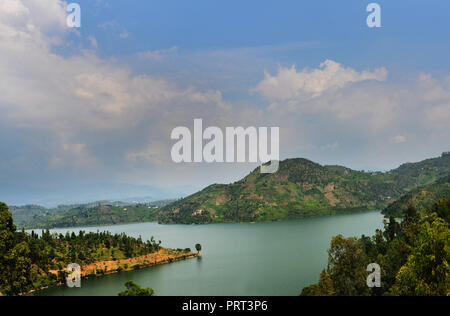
<point x="411" y="30"/>
<point x="86" y="114"/>
<point x="413" y="37"/>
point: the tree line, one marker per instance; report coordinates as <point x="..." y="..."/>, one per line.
<point x="29" y="261"/>
<point x="414" y="256"/>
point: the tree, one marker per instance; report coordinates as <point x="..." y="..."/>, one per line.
<point x="427" y="271"/>
<point x="347" y="264"/>
<point x="410" y="225"/>
<point x="441" y="208"/>
<point x="198" y="247"/>
<point x="391" y="229"/>
<point x="414" y="256"/>
<point x="134" y="289"/>
<point x="323" y="288"/>
<point x="15" y="263"/>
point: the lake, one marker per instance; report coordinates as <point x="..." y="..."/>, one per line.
<point x="265" y="259"/>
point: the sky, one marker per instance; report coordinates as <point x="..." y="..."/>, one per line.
<point x="87" y="113"/>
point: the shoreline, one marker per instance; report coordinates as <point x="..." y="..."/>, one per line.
<point x="107" y="267"/>
<point x="344" y="212"/>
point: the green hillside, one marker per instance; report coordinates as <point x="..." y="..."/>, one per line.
<point x="22" y="214"/>
<point x="26" y="213"/>
<point x="411" y="175"/>
<point x="421" y="198"/>
<point x="105" y="214"/>
<point x="302" y="188"/>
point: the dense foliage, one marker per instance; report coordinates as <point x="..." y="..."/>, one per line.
<point x="411" y="175"/>
<point x="134" y="289"/>
<point x="421" y="198"/>
<point x="29" y="261"/>
<point x="414" y="256"/>
<point x="302" y="188"/>
<point x="15" y="264"/>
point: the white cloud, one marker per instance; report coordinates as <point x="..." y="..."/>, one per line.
<point x="366" y="114"/>
<point x="361" y="100"/>
<point x="434" y="90"/>
<point x="12" y="8"/>
<point x="290" y="84"/>
<point x="82" y="99"/>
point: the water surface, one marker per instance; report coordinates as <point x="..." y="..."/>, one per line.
<point x="278" y="258"/>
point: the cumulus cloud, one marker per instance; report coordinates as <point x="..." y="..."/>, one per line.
<point x="364" y="100"/>
<point x="306" y="84"/>
<point x="363" y="112"/>
<point x="83" y="100"/>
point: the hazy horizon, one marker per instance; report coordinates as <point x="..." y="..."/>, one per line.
<point x="118" y="192"/>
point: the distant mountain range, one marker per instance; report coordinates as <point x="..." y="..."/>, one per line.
<point x="300" y="188"/>
<point x="92" y="214"/>
<point x="75" y="193"/>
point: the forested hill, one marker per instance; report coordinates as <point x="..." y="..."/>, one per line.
<point x="100" y="213"/>
<point x="411" y="175"/>
<point x="421" y="197"/>
<point x="302" y="188"/>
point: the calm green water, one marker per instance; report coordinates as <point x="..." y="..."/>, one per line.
<point x="277" y="258"/>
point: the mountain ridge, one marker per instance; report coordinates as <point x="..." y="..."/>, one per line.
<point x="302" y="188"/>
